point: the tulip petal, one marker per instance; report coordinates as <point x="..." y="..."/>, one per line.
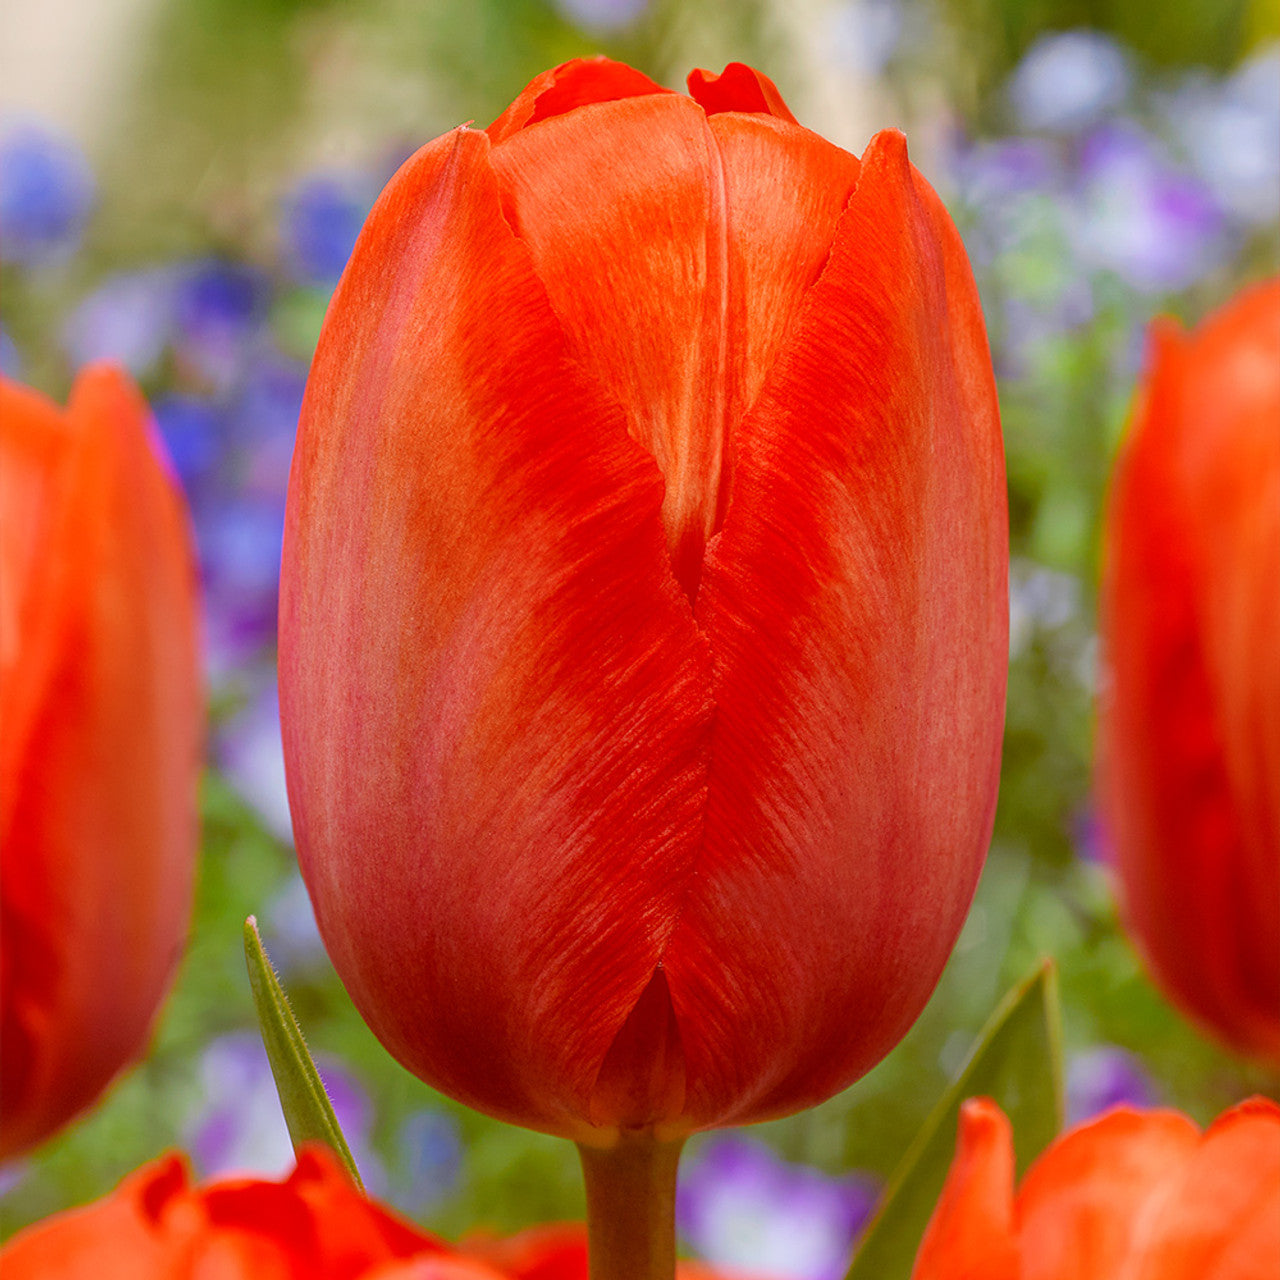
<point x="97" y="825"/>
<point x="33" y="446"/>
<point x="495" y="700"/>
<point x="970" y="1236"/>
<point x="858" y="613"/>
<point x="1221" y="1218"/>
<point x="683" y="333"/>
<point x="738" y="88"/>
<point x="116" y="1238"/>
<point x="1190" y="731"/>
<point x="572" y="84"/>
<point x="1082" y="1206"/>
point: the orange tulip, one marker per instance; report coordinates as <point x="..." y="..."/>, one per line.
<point x="1141" y="1195"/>
<point x="1190" y="718"/>
<point x="312" y="1225"/>
<point x="643" y="614"/>
<point x="101" y="707"/>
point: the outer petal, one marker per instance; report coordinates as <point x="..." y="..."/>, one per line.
<point x="683" y="329"/>
<point x="738" y="88"/>
<point x="99" y="767"/>
<point x="571" y="84"/>
<point x="312" y="1226"/>
<point x="112" y="1239"/>
<point x="856" y="603"/>
<point x="1083" y="1206"/>
<point x="494" y="696"/>
<point x="971" y="1236"/>
<point x="1190" y="731"/>
<point x="557" y="1251"/>
<point x="1221" y="1217"/>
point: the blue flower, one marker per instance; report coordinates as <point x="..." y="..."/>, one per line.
<point x="191" y="429"/>
<point x="46" y="194"/>
<point x="323" y="215"/>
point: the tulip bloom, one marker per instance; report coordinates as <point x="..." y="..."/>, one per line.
<point x="1190" y="719"/>
<point x="312" y="1225"/>
<point x="101" y="707"/>
<point x="644" y="611"/>
<point x="1138" y="1194"/>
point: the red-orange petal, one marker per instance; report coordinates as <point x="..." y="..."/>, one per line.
<point x="100" y="761"/>
<point x="856" y="604"/>
<point x="971" y="1235"/>
<point x="1220" y="1218"/>
<point x="738" y="88"/>
<point x="313" y="1225"/>
<point x="572" y="84"/>
<point x="115" y="1238"/>
<point x="1189" y="738"/>
<point x="494" y="696"/>
<point x="1081" y="1207"/>
<point x="683" y="332"/>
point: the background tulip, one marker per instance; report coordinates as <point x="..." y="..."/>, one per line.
<point x="311" y="1225"/>
<point x="1139" y="1194"/>
<point x="1190" y="718"/>
<point x="101" y="704"/>
<point x="643" y="618"/>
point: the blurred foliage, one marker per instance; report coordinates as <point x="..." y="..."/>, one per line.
<point x="236" y="100"/>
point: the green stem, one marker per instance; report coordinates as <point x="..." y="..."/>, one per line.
<point x="631" y="1207"/>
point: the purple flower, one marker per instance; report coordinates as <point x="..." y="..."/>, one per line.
<point x="128" y="318"/>
<point x="46" y="194"/>
<point x="323" y="215"/>
<point x="237" y="1127"/>
<point x="1231" y="131"/>
<point x="739" y="1204"/>
<point x="10" y="360"/>
<point x="1104" y="1077"/>
<point x="265" y="418"/>
<point x="1069" y="80"/>
<point x="219" y="307"/>
<point x="250" y="755"/>
<point x="1089" y="838"/>
<point x="431" y="1151"/>
<point x="602" y="15"/>
<point x="988" y="173"/>
<point x="1156" y="227"/>
<point x="239" y="540"/>
<point x="289" y="925"/>
<point x="191" y="428"/>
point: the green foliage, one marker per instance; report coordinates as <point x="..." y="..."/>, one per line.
<point x="1017" y="1062"/>
<point x="306" y="1106"/>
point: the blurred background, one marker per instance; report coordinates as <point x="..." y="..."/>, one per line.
<point x="180" y="184"/>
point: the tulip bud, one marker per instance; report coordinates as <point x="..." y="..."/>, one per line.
<point x="643" y="615"/>
<point x="100" y="724"/>
<point x="1189" y="734"/>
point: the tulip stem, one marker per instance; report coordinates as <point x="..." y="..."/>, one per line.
<point x="631" y="1207"/>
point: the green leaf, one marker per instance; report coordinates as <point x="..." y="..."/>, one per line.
<point x="306" y="1106"/>
<point x="1017" y="1061"/>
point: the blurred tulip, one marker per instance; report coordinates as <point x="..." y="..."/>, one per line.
<point x="101" y="707"/>
<point x="311" y="1225"/>
<point x="1189" y="737"/>
<point x="1138" y="1194"/>
<point x="644" y="607"/>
